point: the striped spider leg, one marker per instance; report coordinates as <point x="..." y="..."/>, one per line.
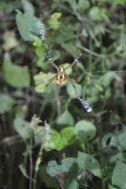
<point x="84" y="103"/>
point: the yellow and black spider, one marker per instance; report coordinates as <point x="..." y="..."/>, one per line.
<point x="61" y="78"/>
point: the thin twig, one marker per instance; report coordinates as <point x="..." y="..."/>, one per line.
<point x="31" y="165"/>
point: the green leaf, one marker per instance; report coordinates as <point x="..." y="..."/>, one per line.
<point x="68" y="70"/>
<point x="65" y="119"/>
<point x="85" y="130"/>
<point x="30" y="27"/>
<point x="107" y="78"/>
<point x="48" y="180"/>
<point x="70" y="46"/>
<point x="28" y="7"/>
<point x="10" y="40"/>
<point x="68" y="135"/>
<point x="119" y="175"/>
<point x="111" y="187"/>
<point x="122" y="139"/>
<point x="74" y="90"/>
<point x="23" y="129"/>
<point x="55" y="142"/>
<point x="98" y="14"/>
<point x="121" y="2"/>
<point x="53" y="169"/>
<point x="73" y="185"/>
<point x="23" y="170"/>
<point x="88" y="162"/>
<point x="6" y="103"/>
<point x="41" y="80"/>
<point x="119" y="156"/>
<point x="14" y="75"/>
<point x="54" y="20"/>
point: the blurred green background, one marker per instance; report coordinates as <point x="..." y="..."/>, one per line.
<point x="82" y="150"/>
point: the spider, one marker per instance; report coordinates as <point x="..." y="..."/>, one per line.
<point x="61" y="78"/>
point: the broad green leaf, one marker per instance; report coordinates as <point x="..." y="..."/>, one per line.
<point x="70" y="46"/>
<point x="6" y="103"/>
<point x="107" y="78"/>
<point x="53" y="169"/>
<point x="28" y="7"/>
<point x="119" y="175"/>
<point x="88" y="162"/>
<point x="65" y="119"/>
<point x="73" y="185"/>
<point x="30" y="27"/>
<point x="111" y="187"/>
<point x="23" y="128"/>
<point x="55" y="142"/>
<point x="50" y="182"/>
<point x="54" y="20"/>
<point x="110" y="140"/>
<point x="106" y="140"/>
<point x="10" y="40"/>
<point x="67" y="163"/>
<point x="119" y="156"/>
<point x="122" y="139"/>
<point x="121" y="2"/>
<point x="83" y="5"/>
<point x="41" y="80"/>
<point x="68" y="70"/>
<point x="74" y="89"/>
<point x="85" y="130"/>
<point x="68" y="135"/>
<point x="14" y="75"/>
<point x="98" y="14"/>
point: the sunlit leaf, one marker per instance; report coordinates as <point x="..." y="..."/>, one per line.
<point x="54" y="20"/>
<point x="68" y="135"/>
<point x="55" y="142"/>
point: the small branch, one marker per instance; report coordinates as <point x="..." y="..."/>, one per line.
<point x="31" y="165"/>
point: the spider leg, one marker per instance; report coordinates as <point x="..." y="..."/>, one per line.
<point x="76" y="58"/>
<point x="73" y="82"/>
<point x="48" y="82"/>
<point x="84" y="103"/>
<point x="51" y="60"/>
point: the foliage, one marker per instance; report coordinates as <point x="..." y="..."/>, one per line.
<point x="58" y="144"/>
